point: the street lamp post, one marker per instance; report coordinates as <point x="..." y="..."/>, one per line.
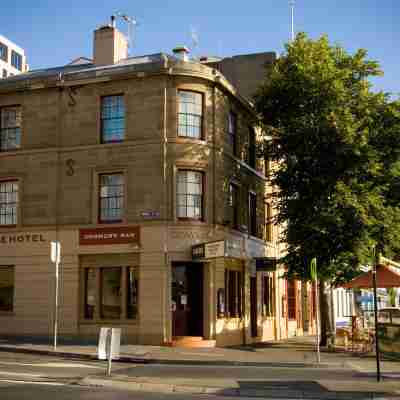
<point x="378" y="369"/>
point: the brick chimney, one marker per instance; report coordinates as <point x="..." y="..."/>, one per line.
<point x="110" y="45"/>
<point x="181" y="52"/>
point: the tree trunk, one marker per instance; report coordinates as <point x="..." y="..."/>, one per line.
<point x="326" y="311"/>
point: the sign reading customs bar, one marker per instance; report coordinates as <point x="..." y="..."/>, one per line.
<point x="110" y="235"/>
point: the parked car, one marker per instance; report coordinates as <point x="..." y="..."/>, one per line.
<point x="389" y="315"/>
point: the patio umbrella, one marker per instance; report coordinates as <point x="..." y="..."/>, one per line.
<point x="386" y="277"/>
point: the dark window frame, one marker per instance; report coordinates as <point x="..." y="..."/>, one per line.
<point x="252" y="213"/>
<point x="4" y="52"/>
<point x="11" y="304"/>
<point x="202" y="196"/>
<point x="13" y="205"/>
<point x="251" y="156"/>
<point x="292" y="299"/>
<point x="232" y="131"/>
<point x="16" y="60"/>
<point x="233" y="204"/>
<point x="126" y="315"/>
<point x="13" y="129"/>
<point x="234" y="293"/>
<point x="103" y="134"/>
<point x="101" y="219"/>
<point x="268" y="296"/>
<point x="200" y="117"/>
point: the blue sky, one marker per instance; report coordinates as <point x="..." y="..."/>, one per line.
<point x="54" y="32"/>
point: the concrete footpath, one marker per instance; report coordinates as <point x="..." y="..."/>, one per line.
<point x="291" y="364"/>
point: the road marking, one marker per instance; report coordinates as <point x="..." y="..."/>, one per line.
<point x="20" y="374"/>
<point x="32" y="382"/>
<point x="51" y="365"/>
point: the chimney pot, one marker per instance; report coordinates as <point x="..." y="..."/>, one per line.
<point x="182" y="53"/>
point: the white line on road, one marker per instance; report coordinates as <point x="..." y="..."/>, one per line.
<point x="51" y="365"/>
<point x="32" y="382"/>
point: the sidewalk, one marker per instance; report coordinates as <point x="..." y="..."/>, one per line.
<point x="295" y="352"/>
<point x="285" y="369"/>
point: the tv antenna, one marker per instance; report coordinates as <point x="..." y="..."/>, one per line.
<point x="130" y="21"/>
<point x="291" y="4"/>
<point x="195" y="38"/>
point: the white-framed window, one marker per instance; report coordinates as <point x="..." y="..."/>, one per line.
<point x="111" y="197"/>
<point x="189" y="194"/>
<point x="190" y="114"/>
<point x="9" y="202"/>
<point x="112" y="119"/>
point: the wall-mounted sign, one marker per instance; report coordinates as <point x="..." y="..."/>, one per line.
<point x="22" y="238"/>
<point x="110" y="235"/>
<point x="150" y="214"/>
<point x="266" y="264"/>
<point x="209" y="250"/>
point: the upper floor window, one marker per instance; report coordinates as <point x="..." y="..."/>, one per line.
<point x="234" y="205"/>
<point x="112" y="119"/>
<point x="232" y="131"/>
<point x="3" y="52"/>
<point x="252" y="214"/>
<point x="268" y="234"/>
<point x="252" y="148"/>
<point x="190" y="194"/>
<point x="190" y="114"/>
<point x="8" y="202"/>
<point x="16" y="60"/>
<point x="111" y="197"/>
<point x="10" y="128"/>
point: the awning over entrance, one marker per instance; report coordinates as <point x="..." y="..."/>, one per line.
<point x="386" y="277"/>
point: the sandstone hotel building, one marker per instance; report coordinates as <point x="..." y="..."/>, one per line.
<point x="145" y="170"/>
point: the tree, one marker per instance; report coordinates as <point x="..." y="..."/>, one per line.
<point x="337" y="145"/>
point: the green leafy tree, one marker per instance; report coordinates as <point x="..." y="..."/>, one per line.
<point x="337" y="145"/>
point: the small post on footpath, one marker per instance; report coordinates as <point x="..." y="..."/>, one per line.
<point x="378" y="367"/>
<point x="314" y="278"/>
<point x="55" y="256"/>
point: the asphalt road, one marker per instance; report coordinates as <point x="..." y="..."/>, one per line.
<point x="13" y="391"/>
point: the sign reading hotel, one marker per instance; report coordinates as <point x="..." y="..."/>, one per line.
<point x="109" y="235"/>
<point x="22" y="238"/>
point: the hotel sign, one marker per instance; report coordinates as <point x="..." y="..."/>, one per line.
<point x="22" y="238"/>
<point x="109" y="235"/>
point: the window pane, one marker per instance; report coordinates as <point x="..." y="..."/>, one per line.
<point x="112" y="119"/>
<point x="132" y="294"/>
<point x="111" y="200"/>
<point x="90" y="292"/>
<point x="111" y="293"/>
<point x="10" y="128"/>
<point x="189" y="194"/>
<point x="190" y="110"/>
<point x="8" y="202"/>
<point x="6" y="288"/>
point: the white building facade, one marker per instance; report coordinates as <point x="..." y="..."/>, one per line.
<point x="12" y="58"/>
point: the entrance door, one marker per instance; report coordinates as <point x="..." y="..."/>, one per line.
<point x="253" y="306"/>
<point x="187" y="299"/>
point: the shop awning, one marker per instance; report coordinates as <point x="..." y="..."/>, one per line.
<point x="386" y="277"/>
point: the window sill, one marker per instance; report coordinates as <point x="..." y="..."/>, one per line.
<point x="192" y="220"/>
<point x="188" y="139"/>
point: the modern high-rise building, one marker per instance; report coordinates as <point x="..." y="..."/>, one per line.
<point x="12" y="58"/>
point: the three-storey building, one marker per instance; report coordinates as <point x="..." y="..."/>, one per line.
<point x="145" y="170"/>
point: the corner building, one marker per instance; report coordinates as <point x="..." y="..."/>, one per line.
<point x="145" y="170"/>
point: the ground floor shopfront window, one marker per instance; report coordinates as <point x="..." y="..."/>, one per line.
<point x="6" y="289"/>
<point x="233" y="293"/>
<point x="268" y="291"/>
<point x="110" y="293"/>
